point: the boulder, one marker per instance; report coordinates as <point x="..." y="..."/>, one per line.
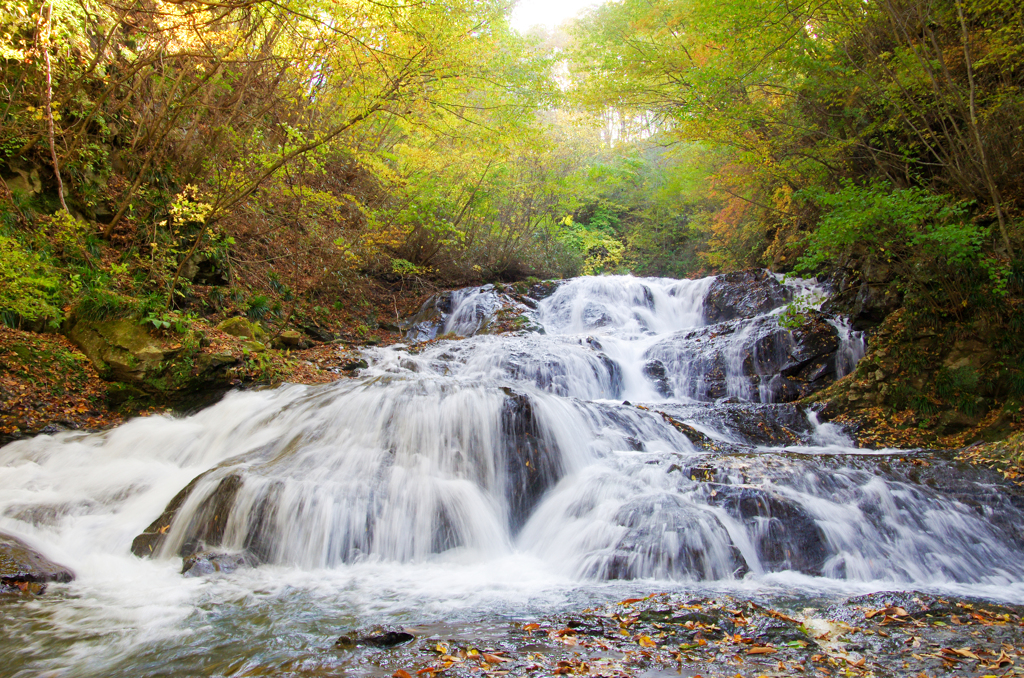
<point x="758" y="361"/>
<point x="242" y="327"/>
<point x="172" y="368"/>
<point x="377" y="636"/>
<point x="291" y="340"/>
<point x="122" y="350"/>
<point x="23" y="569"/>
<point x="743" y="294"/>
<point x="207" y="526"/>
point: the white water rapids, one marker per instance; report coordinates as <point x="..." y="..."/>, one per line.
<point x="493" y="475"/>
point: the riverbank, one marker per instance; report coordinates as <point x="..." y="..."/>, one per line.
<point x="49" y="384"/>
<point x="880" y="634"/>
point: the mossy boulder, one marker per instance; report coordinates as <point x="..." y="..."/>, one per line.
<point x="122" y="350"/>
<point x="172" y="366"/>
<point x="243" y="327"/>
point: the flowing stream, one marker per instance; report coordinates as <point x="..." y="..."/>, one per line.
<point x="625" y="440"/>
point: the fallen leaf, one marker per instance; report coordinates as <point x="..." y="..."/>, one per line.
<point x="401" y="673"/>
<point x="761" y="649"/>
<point x="645" y="641"/>
<point x="495" y="659"/>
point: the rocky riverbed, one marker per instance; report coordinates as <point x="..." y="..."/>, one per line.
<point x="675" y="634"/>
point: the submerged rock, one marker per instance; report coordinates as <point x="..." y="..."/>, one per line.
<point x="377" y="636"/>
<point x="204" y="563"/>
<point x="23" y="569"/>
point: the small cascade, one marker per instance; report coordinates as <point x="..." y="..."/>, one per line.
<point x="631" y="429"/>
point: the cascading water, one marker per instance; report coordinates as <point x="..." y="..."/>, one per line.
<point x="648" y="432"/>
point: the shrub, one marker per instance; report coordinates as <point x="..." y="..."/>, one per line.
<point x="29" y="287"/>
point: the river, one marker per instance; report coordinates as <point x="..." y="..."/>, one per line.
<point x="631" y="437"/>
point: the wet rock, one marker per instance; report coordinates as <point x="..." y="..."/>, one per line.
<point x="757" y="361"/>
<point x="532" y="459"/>
<point x="490" y="309"/>
<point x="25" y="570"/>
<point x="743" y="294"/>
<point x="203" y="563"/>
<point x="865" y="290"/>
<point x="785" y="535"/>
<point x="655" y="371"/>
<point x="206" y="527"/>
<point x="429" y="320"/>
<point x="665" y="537"/>
<point x="378" y="636"/>
<point x="696" y="437"/>
<point x="355" y="365"/>
<point x="752" y="423"/>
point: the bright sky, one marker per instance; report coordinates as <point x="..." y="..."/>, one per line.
<point x="549" y="13"/>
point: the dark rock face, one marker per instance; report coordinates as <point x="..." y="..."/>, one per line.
<point x="655" y="371"/>
<point x="532" y="462"/>
<point x="743" y="294"/>
<point x="22" y="569"/>
<point x="204" y="563"/>
<point x="762" y="362"/>
<point x="786" y="536"/>
<point x="865" y="291"/>
<point x="667" y="537"/>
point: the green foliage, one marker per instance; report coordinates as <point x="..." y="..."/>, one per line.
<point x="958" y="387"/>
<point x="30" y="287"/>
<point x="894" y="223"/>
<point x="97" y="302"/>
<point x="257" y="307"/>
<point x="795" y="313"/>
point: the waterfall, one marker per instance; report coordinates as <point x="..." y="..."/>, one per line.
<point x="634" y="437"/>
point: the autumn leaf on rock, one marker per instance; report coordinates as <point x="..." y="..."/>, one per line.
<point x="495" y="659"/>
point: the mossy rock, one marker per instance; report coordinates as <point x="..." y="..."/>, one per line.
<point x="122" y="350"/>
<point x="242" y="327"/>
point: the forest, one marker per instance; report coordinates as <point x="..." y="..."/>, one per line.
<point x="312" y="163"/>
<point x="388" y="338"/>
